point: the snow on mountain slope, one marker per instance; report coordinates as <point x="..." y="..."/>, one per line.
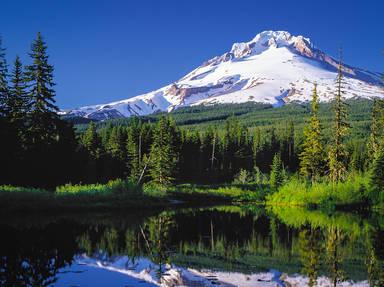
<point x="275" y="67"/>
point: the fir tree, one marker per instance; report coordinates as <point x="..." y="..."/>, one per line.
<point x="377" y="176"/>
<point x="276" y="178"/>
<point x="116" y="144"/>
<point x="134" y="151"/>
<point x="163" y="156"/>
<point x="290" y="142"/>
<point x="4" y="91"/>
<point x="311" y="158"/>
<point x="43" y="111"/>
<point x="377" y="129"/>
<point x="18" y="101"/>
<point x="338" y="154"/>
<point x="92" y="141"/>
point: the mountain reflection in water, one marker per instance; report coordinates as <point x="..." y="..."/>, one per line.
<point x="226" y="246"/>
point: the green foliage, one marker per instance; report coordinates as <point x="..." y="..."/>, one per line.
<point x="116" y="194"/>
<point x="91" y="141"/>
<point x="337" y="155"/>
<point x="43" y="111"/>
<point x="312" y="156"/>
<point x="230" y="193"/>
<point x="163" y="156"/>
<point x="377" y="129"/>
<point x="4" y="89"/>
<point x="112" y="186"/>
<point x="242" y="177"/>
<point x="154" y="189"/>
<point x="276" y="178"/>
<point x="116" y="143"/>
<point x="353" y="190"/>
<point x="377" y="177"/>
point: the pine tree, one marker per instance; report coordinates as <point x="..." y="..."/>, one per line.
<point x="311" y="158"/>
<point x="290" y="142"/>
<point x="338" y="154"/>
<point x="276" y="178"/>
<point x="377" y="129"/>
<point x="43" y="111"/>
<point x="377" y="176"/>
<point x="92" y="141"/>
<point x="116" y="144"/>
<point x="18" y="101"/>
<point x="134" y="151"/>
<point x="163" y="156"/>
<point x="4" y="91"/>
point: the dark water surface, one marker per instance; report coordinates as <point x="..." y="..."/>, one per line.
<point x="225" y="245"/>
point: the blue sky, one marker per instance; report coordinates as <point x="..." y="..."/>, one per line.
<point x="106" y="50"/>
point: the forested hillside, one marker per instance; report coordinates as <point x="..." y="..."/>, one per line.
<point x="243" y="143"/>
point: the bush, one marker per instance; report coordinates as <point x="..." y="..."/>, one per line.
<point x="242" y="177"/>
<point x="300" y="192"/>
<point x="118" y="186"/>
<point x="154" y="189"/>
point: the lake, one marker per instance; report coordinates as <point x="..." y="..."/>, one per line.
<point x="207" y="246"/>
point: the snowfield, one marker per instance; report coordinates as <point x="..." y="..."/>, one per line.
<point x="275" y="67"/>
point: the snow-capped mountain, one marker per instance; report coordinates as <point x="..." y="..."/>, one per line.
<point x="275" y="67"/>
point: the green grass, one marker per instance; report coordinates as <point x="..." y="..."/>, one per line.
<point x="120" y="194"/>
<point x="324" y="194"/>
<point x="232" y="193"/>
<point x="115" y="194"/>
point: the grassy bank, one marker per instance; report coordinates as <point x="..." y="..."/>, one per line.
<point x="121" y="194"/>
<point x="219" y="193"/>
<point x="352" y="192"/>
<point x="116" y="194"/>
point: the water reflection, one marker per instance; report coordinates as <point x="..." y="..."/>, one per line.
<point x="209" y="241"/>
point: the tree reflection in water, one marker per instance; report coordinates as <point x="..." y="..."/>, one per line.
<point x="310" y="242"/>
<point x="234" y="239"/>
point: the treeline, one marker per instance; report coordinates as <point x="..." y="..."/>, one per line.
<point x="41" y="149"/>
<point x="163" y="152"/>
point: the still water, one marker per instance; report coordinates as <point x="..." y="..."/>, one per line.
<point x="214" y="246"/>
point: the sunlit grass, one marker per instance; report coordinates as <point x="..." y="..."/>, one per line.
<point x="247" y="192"/>
<point x="299" y="192"/>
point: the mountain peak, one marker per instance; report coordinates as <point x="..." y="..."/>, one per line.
<point x="275" y="39"/>
<point x="275" y="67"/>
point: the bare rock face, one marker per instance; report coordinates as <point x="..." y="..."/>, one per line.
<point x="240" y="50"/>
<point x="303" y="47"/>
<point x="183" y="93"/>
<point x="274" y="67"/>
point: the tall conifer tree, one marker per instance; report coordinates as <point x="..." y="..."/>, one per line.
<point x="163" y="157"/>
<point x="377" y="129"/>
<point x="134" y="151"/>
<point x="377" y="176"/>
<point x="4" y="91"/>
<point x="311" y="158"/>
<point x="18" y="101"/>
<point x="338" y="153"/>
<point x="277" y="177"/>
<point x="43" y="111"/>
<point x="92" y="141"/>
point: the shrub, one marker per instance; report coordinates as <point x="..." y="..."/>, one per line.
<point x="119" y="186"/>
<point x="154" y="189"/>
<point x="301" y="192"/>
<point x="242" y="177"/>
